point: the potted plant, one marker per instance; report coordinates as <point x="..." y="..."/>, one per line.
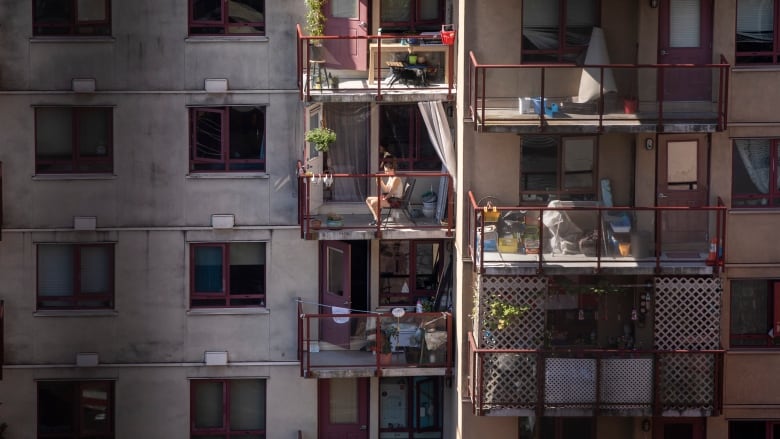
<point x="321" y="137"/>
<point x="315" y="19"/>
<point x="333" y="81"/>
<point x="334" y="221"/>
<point x="388" y="334"/>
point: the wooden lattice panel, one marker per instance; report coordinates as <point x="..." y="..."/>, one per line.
<point x="570" y="381"/>
<point x="687" y="381"/>
<point x="509" y="381"/>
<point x="525" y="333"/>
<point x="626" y="382"/>
<point x="687" y="313"/>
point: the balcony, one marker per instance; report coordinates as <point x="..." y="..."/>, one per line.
<point x="517" y="382"/>
<point x="337" y="346"/>
<point x="390" y="75"/>
<point x="533" y="98"/>
<point x="319" y="200"/>
<point x="583" y="237"/>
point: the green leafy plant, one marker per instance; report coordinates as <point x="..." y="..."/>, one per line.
<point x="321" y="137"/>
<point x="501" y="314"/>
<point x="315" y="18"/>
<point x="388" y="334"/>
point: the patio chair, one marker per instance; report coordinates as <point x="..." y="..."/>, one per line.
<point x="402" y="203"/>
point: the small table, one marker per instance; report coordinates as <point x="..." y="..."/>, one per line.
<point x="373" y="49"/>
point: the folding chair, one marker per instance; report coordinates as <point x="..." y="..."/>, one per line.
<point x="402" y="203"/>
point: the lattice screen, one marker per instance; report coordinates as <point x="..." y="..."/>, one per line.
<point x="687" y="381"/>
<point x="509" y="380"/>
<point x="687" y="313"/>
<point x="626" y="382"/>
<point x="528" y="331"/>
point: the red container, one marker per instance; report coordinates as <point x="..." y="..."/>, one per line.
<point x="448" y="37"/>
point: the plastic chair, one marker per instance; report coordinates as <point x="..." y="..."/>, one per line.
<point x="402" y="203"/>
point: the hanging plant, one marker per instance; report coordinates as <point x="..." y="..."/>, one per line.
<point x="321" y="137"/>
<point x="315" y="18"/>
<point x="501" y="314"/>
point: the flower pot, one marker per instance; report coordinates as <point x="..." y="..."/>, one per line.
<point x="335" y="224"/>
<point x="385" y="358"/>
<point x="629" y="105"/>
<point x="315" y="224"/>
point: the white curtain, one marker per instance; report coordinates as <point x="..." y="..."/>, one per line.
<point x="441" y="138"/>
<point x="591" y="80"/>
<point x="348" y="155"/>
<point x="754" y="155"/>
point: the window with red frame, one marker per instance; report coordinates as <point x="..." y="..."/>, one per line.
<point x="227" y="139"/>
<point x="75" y="276"/>
<point x="73" y="140"/>
<point x="755" y="313"/>
<point x="411" y="15"/>
<point x="228" y="274"/>
<point x="76" y="409"/>
<point x="228" y="408"/>
<point x="403" y="134"/>
<point x="756" y="39"/>
<point x="409" y="270"/>
<point x="220" y="17"/>
<point x="71" y="17"/>
<point x="754" y="429"/>
<point x="755" y="181"/>
<point x="557" y="30"/>
<point x="558" y="168"/>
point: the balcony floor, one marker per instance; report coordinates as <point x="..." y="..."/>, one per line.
<point x="511" y="120"/>
<point x="351" y="364"/>
<point x="522" y="264"/>
<point x="356" y="228"/>
<point x="360" y="90"/>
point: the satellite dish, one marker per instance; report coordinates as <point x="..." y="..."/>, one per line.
<point x="398" y="312"/>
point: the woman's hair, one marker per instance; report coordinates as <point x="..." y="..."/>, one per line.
<point x="388" y="161"/>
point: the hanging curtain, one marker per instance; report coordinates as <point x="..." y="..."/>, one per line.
<point x="348" y="155"/>
<point x="441" y="138"/>
<point x="754" y="155"/>
<point x="591" y="81"/>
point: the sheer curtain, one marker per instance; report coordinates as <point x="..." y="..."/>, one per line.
<point x="754" y="155"/>
<point x="349" y="155"/>
<point x="441" y="138"/>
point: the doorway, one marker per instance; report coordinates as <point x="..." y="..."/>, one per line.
<point x="347" y="17"/>
<point x="343" y="288"/>
<point x="685" y="37"/>
<point x="682" y="181"/>
<point x="343" y="408"/>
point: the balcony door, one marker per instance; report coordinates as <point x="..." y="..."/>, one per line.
<point x="347" y="18"/>
<point x="343" y="408"/>
<point x="678" y="428"/>
<point x="685" y="37"/>
<point x="682" y="181"/>
<point x="336" y="292"/>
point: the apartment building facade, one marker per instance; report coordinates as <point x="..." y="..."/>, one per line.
<point x="623" y="285"/>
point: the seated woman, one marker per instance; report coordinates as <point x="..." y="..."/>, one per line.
<point x="393" y="188"/>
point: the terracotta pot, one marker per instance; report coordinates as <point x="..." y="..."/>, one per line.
<point x="315" y="224"/>
<point x="385" y="358"/>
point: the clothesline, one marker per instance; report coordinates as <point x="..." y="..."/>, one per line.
<point x="360" y="311"/>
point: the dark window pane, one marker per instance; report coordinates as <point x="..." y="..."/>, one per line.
<point x="539" y="164"/>
<point x="56" y="406"/>
<point x="246" y="16"/>
<point x="208" y="136"/>
<point x="749" y="307"/>
<point x="247" y="405"/>
<point x="207" y="10"/>
<point x="93" y="129"/>
<point x="751" y="166"/>
<point x="209" y="404"/>
<point x="247" y="133"/>
<point x="54" y="133"/>
<point x="95" y="407"/>
<point x="247" y="268"/>
<point x="53" y="12"/>
<point x="208" y="269"/>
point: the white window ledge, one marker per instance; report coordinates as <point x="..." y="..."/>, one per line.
<point x="45" y="177"/>
<point x="227" y="311"/>
<point x="227" y="175"/>
<point x="76" y="313"/>
<point x="227" y="39"/>
<point x="72" y="39"/>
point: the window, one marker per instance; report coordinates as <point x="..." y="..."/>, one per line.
<point x="75" y="276"/>
<point x="411" y="15"/>
<point x="558" y="168"/>
<point x="76" y="409"/>
<point x="71" y="17"/>
<point x="227" y="139"/>
<point x="402" y="132"/>
<point x="557" y="30"/>
<point x="411" y="405"/>
<point x="73" y="140"/>
<point x="567" y="428"/>
<point x="756" y="40"/>
<point x="755" y="179"/>
<point x="220" y="17"/>
<point x="409" y="270"/>
<point x="228" y="274"/>
<point x="228" y="408"/>
<point x="754" y="429"/>
<point x="755" y="313"/>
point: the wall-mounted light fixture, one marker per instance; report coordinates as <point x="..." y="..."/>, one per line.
<point x="653" y="3"/>
<point x="645" y="424"/>
<point x="649" y="144"/>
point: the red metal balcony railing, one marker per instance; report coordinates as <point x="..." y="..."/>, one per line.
<point x="586" y="234"/>
<point x="600" y="382"/>
<point x="496" y="99"/>
<point x="313" y="210"/>
<point x="370" y="344"/>
<point x="432" y="76"/>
